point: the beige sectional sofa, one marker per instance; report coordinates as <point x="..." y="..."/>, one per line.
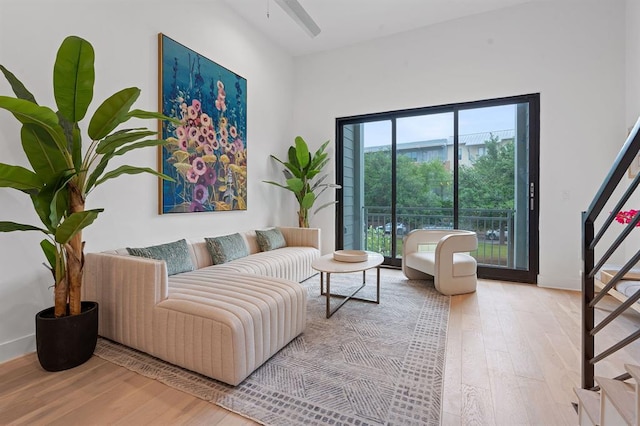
<point x="223" y="321"/>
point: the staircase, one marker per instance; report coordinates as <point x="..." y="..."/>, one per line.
<point x="617" y="403"/>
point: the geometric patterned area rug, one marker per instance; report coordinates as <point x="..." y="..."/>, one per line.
<point x="366" y="365"/>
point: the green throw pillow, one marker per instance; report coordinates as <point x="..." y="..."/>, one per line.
<point x="176" y="255"/>
<point x="226" y="248"/>
<point x="270" y="239"/>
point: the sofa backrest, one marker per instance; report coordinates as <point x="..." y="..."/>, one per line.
<point x="200" y="253"/>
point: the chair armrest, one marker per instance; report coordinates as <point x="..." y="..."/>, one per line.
<point x="127" y="289"/>
<point x="301" y="237"/>
<point x="460" y="241"/>
<point x="414" y="239"/>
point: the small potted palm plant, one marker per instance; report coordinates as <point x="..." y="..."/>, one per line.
<point x="64" y="171"/>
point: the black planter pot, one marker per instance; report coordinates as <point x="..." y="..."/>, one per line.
<point x="66" y="342"/>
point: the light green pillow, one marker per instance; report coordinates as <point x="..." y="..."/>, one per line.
<point x="176" y="255"/>
<point x="226" y="248"/>
<point x="270" y="239"/>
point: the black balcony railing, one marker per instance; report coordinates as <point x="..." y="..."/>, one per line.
<point x="493" y="226"/>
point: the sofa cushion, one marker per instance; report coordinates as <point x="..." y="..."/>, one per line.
<point x="175" y="254"/>
<point x="226" y="248"/>
<point x="463" y="264"/>
<point x="270" y="239"/>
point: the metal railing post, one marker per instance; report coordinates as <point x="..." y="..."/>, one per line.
<point x="588" y="292"/>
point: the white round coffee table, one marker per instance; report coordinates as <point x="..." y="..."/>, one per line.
<point x="328" y="265"/>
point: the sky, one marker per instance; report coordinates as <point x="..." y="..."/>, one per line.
<point x="440" y="126"/>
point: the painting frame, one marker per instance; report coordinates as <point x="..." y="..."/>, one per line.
<point x="206" y="154"/>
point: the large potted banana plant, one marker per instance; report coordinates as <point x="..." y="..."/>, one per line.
<point x="302" y="177"/>
<point x="64" y="171"/>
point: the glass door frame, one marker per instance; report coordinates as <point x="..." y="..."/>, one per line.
<point x="529" y="275"/>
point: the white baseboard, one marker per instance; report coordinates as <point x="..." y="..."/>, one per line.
<point x="561" y="283"/>
<point x="18" y="347"/>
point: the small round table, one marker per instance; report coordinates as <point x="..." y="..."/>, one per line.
<point x="328" y="265"/>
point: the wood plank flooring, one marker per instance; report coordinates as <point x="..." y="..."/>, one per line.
<point x="512" y="359"/>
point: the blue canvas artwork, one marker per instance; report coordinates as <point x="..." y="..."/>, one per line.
<point x="206" y="153"/>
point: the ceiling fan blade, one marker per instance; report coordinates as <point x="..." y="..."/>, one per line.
<point x="295" y="10"/>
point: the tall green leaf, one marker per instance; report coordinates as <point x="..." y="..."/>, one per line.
<point x="41" y="151"/>
<point x="73" y="78"/>
<point x="295" y="184"/>
<point x="130" y="170"/>
<point x="138" y="113"/>
<point x="19" y="178"/>
<point x="112" y="112"/>
<point x="293" y="158"/>
<point x="51" y="203"/>
<point x="28" y="112"/>
<point x="13" y="226"/>
<point x="330" y="203"/>
<point x="97" y="172"/>
<point x="49" y="250"/>
<point x="17" y="86"/>
<point x="308" y="200"/>
<point x="302" y="152"/>
<point x="75" y="223"/>
<point x="141" y="144"/>
<point x="116" y="140"/>
<point x="277" y="184"/>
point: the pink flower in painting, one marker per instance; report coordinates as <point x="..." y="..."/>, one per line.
<point x="181" y="133"/>
<point x="196" y="105"/>
<point x="193" y="133"/>
<point x="205" y="120"/>
<point x="192" y="176"/>
<point x="211" y="137"/>
<point x="208" y="150"/>
<point x="210" y="176"/>
<point x="215" y="144"/>
<point x="220" y="85"/>
<point x="193" y="114"/>
<point x="198" y="166"/>
<point x="200" y="194"/>
<point x="201" y="139"/>
<point x="233" y="132"/>
<point x="238" y="143"/>
<point x="196" y="207"/>
<point x="223" y="133"/>
<point x="220" y="104"/>
<point x="184" y="145"/>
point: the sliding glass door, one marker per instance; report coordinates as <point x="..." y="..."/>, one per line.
<point x="467" y="166"/>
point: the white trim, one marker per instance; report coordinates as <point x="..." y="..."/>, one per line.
<point x="560" y="283"/>
<point x="18" y="347"/>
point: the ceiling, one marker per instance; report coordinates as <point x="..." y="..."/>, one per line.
<point x="346" y="22"/>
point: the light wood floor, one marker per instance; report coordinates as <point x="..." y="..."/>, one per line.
<point x="512" y="358"/>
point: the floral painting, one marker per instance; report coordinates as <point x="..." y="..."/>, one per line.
<point x="207" y="152"/>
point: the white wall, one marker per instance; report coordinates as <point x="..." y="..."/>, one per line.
<point x="572" y="53"/>
<point x="124" y="35"/>
<point x="632" y="57"/>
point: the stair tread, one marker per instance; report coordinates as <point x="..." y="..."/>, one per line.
<point x="590" y="401"/>
<point x="634" y="370"/>
<point x="621" y="395"/>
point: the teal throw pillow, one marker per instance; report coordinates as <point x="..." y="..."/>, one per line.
<point x="176" y="255"/>
<point x="270" y="239"/>
<point x="226" y="248"/>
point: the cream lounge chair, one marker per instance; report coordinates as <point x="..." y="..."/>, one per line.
<point x="441" y="254"/>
